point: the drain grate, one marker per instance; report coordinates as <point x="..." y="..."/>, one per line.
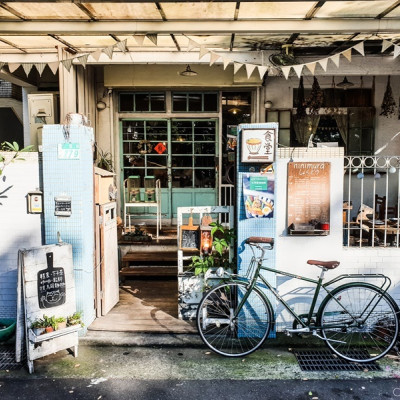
<point x="327" y="361"/>
<point x="7" y="359"/>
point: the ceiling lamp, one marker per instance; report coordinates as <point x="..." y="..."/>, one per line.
<point x="188" y="71"/>
<point x="234" y="110"/>
<point x="345" y="84"/>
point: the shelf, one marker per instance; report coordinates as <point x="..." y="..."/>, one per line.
<point x="47" y="336"/>
<point x="315" y="232"/>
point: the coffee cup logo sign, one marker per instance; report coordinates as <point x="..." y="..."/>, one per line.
<point x="258" y="145"/>
<point x="51" y="285"/>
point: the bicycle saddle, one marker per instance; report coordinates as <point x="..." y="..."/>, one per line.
<point x="256" y="239"/>
<point x="324" y="264"/>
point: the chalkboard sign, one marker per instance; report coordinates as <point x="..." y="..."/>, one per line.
<point x="309" y="197"/>
<point x="51" y="285"/>
<point x="190" y="238"/>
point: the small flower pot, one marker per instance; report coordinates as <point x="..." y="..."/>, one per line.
<point x="49" y="329"/>
<point x="38" y="331"/>
<point x="61" y="325"/>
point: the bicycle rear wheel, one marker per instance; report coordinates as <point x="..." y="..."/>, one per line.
<point x="226" y="334"/>
<point x="366" y="322"/>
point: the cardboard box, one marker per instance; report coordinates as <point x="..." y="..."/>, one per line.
<point x="103" y="186"/>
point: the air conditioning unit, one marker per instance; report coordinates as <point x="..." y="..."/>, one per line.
<point x="43" y="110"/>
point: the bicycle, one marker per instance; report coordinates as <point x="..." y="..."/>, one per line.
<point x="357" y="320"/>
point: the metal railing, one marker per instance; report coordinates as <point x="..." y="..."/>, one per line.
<point x="371" y="201"/>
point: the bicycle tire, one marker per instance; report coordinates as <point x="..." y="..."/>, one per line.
<point x="376" y="317"/>
<point x="239" y="336"/>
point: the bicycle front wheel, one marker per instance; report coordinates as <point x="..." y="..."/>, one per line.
<point x="228" y="331"/>
<point x="359" y="323"/>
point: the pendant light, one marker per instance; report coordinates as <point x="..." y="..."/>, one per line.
<point x="345" y="84"/>
<point x="188" y="71"/>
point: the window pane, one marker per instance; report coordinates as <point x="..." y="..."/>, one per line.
<point x="179" y="102"/>
<point x="182" y="178"/>
<point x="182" y="161"/>
<point x="156" y="161"/>
<point x="157" y="102"/>
<point x="284" y="119"/>
<point x="205" y="178"/>
<point x="157" y="130"/>
<point x="204" y="148"/>
<point x="194" y="102"/>
<point x="133" y="130"/>
<point x="126" y="102"/>
<point x="204" y="161"/>
<point x="272" y="116"/>
<point x="181" y="148"/>
<point x="142" y="102"/>
<point x="210" y="102"/>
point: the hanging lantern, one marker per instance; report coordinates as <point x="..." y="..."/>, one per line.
<point x="388" y="107"/>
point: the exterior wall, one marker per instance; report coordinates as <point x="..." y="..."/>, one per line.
<point x="292" y="253"/>
<point x="18" y="228"/>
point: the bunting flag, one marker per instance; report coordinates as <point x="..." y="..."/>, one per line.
<point x="203" y="51"/>
<point x="54" y="66"/>
<point x="109" y="51"/>
<point x="40" y="67"/>
<point x="249" y="69"/>
<point x="67" y="64"/>
<point x="347" y="54"/>
<point x="298" y="69"/>
<point x="396" y="51"/>
<point x="311" y="67"/>
<point x="336" y="59"/>
<point x="139" y="39"/>
<point x="385" y="45"/>
<point x="83" y="60"/>
<point x="286" y="71"/>
<point x="13" y="67"/>
<point x="213" y="57"/>
<point x="192" y="45"/>
<point x="323" y="63"/>
<point x="2" y="64"/>
<point x="236" y="67"/>
<point x="122" y="45"/>
<point x="152" y="37"/>
<point x="96" y="54"/>
<point x="262" y="70"/>
<point x="360" y="48"/>
<point x="226" y="61"/>
<point x="27" y="67"/>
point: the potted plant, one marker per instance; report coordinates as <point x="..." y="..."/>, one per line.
<point x="38" y="326"/>
<point x="75" y="319"/>
<point x="50" y="323"/>
<point x="61" y="323"/>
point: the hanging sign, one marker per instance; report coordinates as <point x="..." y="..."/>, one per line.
<point x="160" y="148"/>
<point x="69" y="151"/>
<point x="258" y="195"/>
<point x="258" y="145"/>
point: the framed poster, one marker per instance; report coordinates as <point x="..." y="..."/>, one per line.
<point x="258" y="145"/>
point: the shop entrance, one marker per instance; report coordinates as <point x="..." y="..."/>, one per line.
<point x="181" y="153"/>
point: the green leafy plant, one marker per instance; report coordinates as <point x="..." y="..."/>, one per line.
<point x="50" y="322"/>
<point x="75" y="319"/>
<point x="11" y="147"/>
<point x="38" y="323"/>
<point x="104" y="160"/>
<point x="219" y="256"/>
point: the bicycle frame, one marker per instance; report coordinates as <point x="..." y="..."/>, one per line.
<point x="254" y="281"/>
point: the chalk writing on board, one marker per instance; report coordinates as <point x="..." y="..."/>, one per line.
<point x="51" y="285"/>
<point x="190" y="239"/>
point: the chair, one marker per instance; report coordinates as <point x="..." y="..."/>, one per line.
<point x="381" y="206"/>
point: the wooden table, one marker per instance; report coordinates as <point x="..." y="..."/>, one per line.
<point x="391" y="229"/>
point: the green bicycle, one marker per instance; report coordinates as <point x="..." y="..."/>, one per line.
<point x="357" y="320"/>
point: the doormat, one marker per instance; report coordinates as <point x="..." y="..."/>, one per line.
<point x="7" y="359"/>
<point x="327" y="361"/>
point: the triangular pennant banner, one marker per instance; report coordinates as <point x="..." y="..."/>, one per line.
<point x="122" y="45"/>
<point x="396" y="51"/>
<point x="385" y="45"/>
<point x="83" y="60"/>
<point x="203" y="51"/>
<point x="152" y="37"/>
<point x="249" y="69"/>
<point x="2" y="64"/>
<point x="226" y="61"/>
<point x="336" y="59"/>
<point x="67" y="64"/>
<point x="13" y="66"/>
<point x="139" y="39"/>
<point x="96" y="54"/>
<point x="54" y="66"/>
<point x="192" y="45"/>
<point x="347" y="54"/>
<point x="27" y="67"/>
<point x="323" y="63"/>
<point x="262" y="70"/>
<point x="311" y="67"/>
<point x="286" y="71"/>
<point x="360" y="48"/>
<point x="298" y="69"/>
<point x="213" y="57"/>
<point x="109" y="51"/>
<point x="236" y="67"/>
<point x="40" y="67"/>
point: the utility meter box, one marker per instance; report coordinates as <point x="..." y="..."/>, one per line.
<point x="43" y="110"/>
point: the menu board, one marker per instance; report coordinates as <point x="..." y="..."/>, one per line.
<point x="309" y="196"/>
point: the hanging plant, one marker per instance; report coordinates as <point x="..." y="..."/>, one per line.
<point x="301" y="103"/>
<point x="314" y="102"/>
<point x="388" y="107"/>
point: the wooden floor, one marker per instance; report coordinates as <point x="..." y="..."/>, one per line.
<point x="146" y="305"/>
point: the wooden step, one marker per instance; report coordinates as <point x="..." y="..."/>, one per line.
<point x="149" y="271"/>
<point x="167" y="256"/>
